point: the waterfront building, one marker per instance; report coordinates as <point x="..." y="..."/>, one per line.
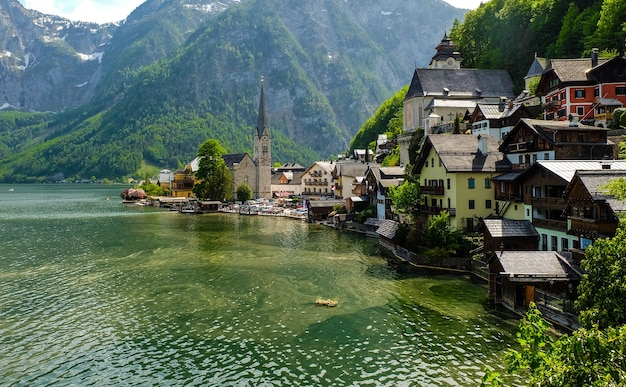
<point x="455" y="173"/>
<point x="317" y="180"/>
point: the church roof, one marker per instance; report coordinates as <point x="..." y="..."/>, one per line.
<point x="261" y="124"/>
<point x="467" y="83"/>
<point x="233" y="159"/>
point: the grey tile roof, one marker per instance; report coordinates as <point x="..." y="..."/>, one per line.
<point x="491" y="83"/>
<point x="537" y="67"/>
<point x="529" y="265"/>
<point x="353" y="168"/>
<point x="506" y="228"/>
<point x="459" y="153"/>
<point x="492" y="111"/>
<point x="388" y="229"/>
<point x="595" y="181"/>
<point x="570" y="70"/>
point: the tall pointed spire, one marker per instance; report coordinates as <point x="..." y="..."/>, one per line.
<point x="262" y="120"/>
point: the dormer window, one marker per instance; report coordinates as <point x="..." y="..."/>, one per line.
<point x="446" y="91"/>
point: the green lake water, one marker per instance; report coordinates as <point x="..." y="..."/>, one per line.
<point x="94" y="292"/>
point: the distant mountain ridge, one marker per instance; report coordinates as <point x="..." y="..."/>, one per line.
<point x="174" y="73"/>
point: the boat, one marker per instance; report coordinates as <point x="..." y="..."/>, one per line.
<point x="326" y="302"/>
<point x="11" y="190"/>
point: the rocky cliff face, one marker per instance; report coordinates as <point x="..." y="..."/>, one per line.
<point x="47" y="62"/>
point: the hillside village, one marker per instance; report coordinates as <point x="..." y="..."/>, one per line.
<point x="533" y="188"/>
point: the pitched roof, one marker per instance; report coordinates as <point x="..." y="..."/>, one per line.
<point x="507" y="228"/>
<point x="566" y="169"/>
<point x="388" y="229"/>
<point x="461" y="82"/>
<point x="459" y="153"/>
<point x="595" y="181"/>
<point x="537" y="67"/>
<point x="232" y="159"/>
<point x="351" y="168"/>
<point x="538" y="265"/>
<point x="494" y="111"/>
<point x="571" y="70"/>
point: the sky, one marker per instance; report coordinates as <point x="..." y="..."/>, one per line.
<point x="104" y="11"/>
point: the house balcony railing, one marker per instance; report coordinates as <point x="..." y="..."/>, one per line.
<point x="550" y="202"/>
<point x="584" y="226"/>
<point x="551" y="105"/>
<point x="436" y="210"/>
<point x="521" y="166"/>
<point x="432" y="189"/>
<point x="603" y="116"/>
<point x="551" y="224"/>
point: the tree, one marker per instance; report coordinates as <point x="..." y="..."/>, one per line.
<point x="440" y="236"/>
<point x="244" y="192"/>
<point x="214" y="179"/>
<point x="602" y="289"/>
<point x="406" y="198"/>
<point x="587" y="357"/>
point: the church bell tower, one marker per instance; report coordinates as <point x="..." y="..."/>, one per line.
<point x="263" y="151"/>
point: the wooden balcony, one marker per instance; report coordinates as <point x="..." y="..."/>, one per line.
<point x="436" y="210"/>
<point x="432" y="190"/>
<point x="551" y="224"/>
<point x="549" y="202"/>
<point x="592" y="227"/>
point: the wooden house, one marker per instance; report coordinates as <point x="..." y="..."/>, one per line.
<point x="592" y="212"/>
<point x="574" y="86"/>
<point x="497" y="119"/>
<point x="378" y="181"/>
<point x="547" y="278"/>
<point x="532" y="140"/>
<point x="510" y="235"/>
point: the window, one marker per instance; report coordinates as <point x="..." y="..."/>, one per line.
<point x="470" y="182"/>
<point x="487" y="204"/>
<point x="620" y="90"/>
<point x="564" y="244"/>
<point x="580" y="111"/>
<point x="580" y="93"/>
<point x="472" y="205"/>
<point x="502" y="187"/>
<point x="448" y="181"/>
<point x="554" y="243"/>
<point x="562" y="95"/>
<point x="432" y="162"/>
<point x="487" y="182"/>
<point x="546" y="156"/>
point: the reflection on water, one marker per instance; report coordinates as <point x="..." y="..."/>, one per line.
<point x="94" y="292"/>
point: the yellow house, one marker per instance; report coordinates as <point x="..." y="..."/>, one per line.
<point x="182" y="183"/>
<point x="455" y="172"/>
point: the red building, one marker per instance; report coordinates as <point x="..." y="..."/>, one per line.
<point x="583" y="88"/>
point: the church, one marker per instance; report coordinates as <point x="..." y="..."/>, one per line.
<point x="256" y="172"/>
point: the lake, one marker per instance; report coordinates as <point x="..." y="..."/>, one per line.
<point x="95" y="292"/>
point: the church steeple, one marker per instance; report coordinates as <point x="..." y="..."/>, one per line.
<point x="263" y="151"/>
<point x="447" y="57"/>
<point x="261" y="123"/>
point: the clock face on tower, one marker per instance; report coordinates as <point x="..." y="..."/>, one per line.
<point x="264" y="138"/>
<point x="450" y="61"/>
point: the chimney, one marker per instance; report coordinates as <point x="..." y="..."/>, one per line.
<point x="594" y="57"/>
<point x="501" y="105"/>
<point x="482" y="145"/>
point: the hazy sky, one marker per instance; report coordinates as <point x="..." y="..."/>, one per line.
<point x="102" y="11"/>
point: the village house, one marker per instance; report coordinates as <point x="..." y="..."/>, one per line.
<point x="455" y="172"/>
<point x="508" y="234"/>
<point x="540" y="198"/>
<point x="547" y="278"/>
<point x="317" y="180"/>
<point x="287" y="181"/>
<point x="497" y="119"/>
<point x="347" y="177"/>
<point x="532" y="140"/>
<point x="592" y="212"/>
<point x="378" y="181"/>
<point x="578" y="86"/>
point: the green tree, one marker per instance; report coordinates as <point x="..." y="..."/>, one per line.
<point x="244" y="192"/>
<point x="214" y="179"/>
<point x="587" y="357"/>
<point x="441" y="237"/>
<point x="406" y="198"/>
<point x="602" y="289"/>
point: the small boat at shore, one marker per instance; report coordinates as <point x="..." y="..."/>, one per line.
<point x="326" y="302"/>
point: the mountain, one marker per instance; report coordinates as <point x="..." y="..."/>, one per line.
<point x="177" y="72"/>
